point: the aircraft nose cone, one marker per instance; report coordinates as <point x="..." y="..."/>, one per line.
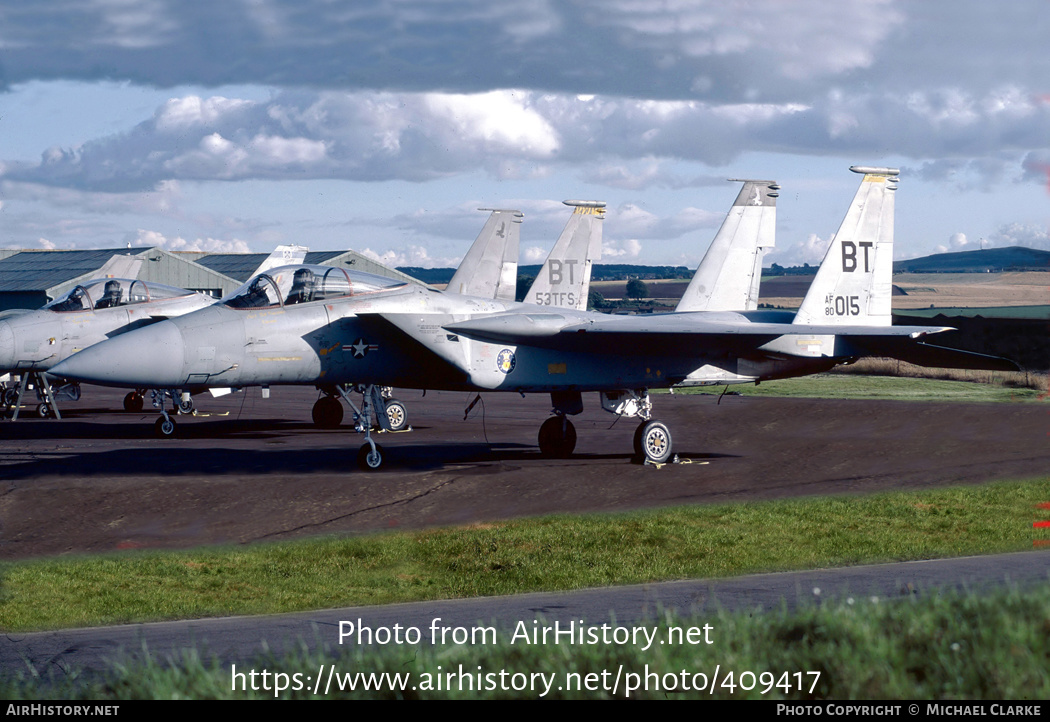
<point x="7" y="347"/>
<point x="150" y="357"/>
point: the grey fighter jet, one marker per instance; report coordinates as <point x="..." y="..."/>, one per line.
<point x="489" y="270"/>
<point x="31" y="343"/>
<point x="374" y="331"/>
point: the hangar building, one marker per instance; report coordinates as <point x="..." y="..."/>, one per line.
<point x="32" y="278"/>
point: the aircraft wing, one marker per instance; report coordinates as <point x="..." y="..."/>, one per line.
<point x="682" y="334"/>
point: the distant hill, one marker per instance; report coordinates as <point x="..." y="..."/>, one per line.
<point x="1014" y="258"/>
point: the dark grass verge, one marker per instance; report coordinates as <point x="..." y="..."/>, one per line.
<point x="954" y="645"/>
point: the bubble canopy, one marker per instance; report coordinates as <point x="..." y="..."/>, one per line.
<point x="289" y="285"/>
<point x="112" y="292"/>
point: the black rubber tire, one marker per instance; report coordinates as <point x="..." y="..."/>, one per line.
<point x="557" y="438"/>
<point x="656" y="442"/>
<point x="367" y="461"/>
<point x="133" y="402"/>
<point x="397" y="415"/>
<point x="639" y="452"/>
<point x="327" y="412"/>
<point x="164" y="428"/>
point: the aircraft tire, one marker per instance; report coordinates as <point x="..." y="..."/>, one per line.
<point x="327" y="412"/>
<point x="133" y="402"/>
<point x="557" y="437"/>
<point x="656" y="442"/>
<point x="639" y="452"/>
<point x="43" y="411"/>
<point x="10" y="397"/>
<point x="164" y="427"/>
<point x="396" y="414"/>
<point x="184" y="407"/>
<point x="368" y="460"/>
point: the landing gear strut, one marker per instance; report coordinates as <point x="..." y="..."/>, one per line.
<point x="652" y="439"/>
<point x="181" y="404"/>
<point x="370" y="455"/>
<point x="328" y="411"/>
<point x="47" y="407"/>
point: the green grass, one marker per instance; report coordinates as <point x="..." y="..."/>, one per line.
<point x="854" y="386"/>
<point x="550" y="553"/>
<point x="939" y="647"/>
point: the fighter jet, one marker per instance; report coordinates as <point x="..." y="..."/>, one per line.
<point x="489" y="270"/>
<point x="31" y="343"/>
<point x="374" y="331"/>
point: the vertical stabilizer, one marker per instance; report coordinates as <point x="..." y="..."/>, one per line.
<point x="121" y="266"/>
<point x="854" y="282"/>
<point x="565" y="278"/>
<point x="490" y="268"/>
<point x="728" y="276"/>
<point x="288" y="255"/>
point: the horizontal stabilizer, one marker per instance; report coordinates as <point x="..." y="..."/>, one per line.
<point x="930" y="356"/>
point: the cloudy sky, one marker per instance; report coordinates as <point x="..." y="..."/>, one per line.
<point x="383" y="125"/>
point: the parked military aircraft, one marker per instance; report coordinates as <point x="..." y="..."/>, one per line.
<point x="372" y="330"/>
<point x="33" y="342"/>
<point x="489" y="270"/>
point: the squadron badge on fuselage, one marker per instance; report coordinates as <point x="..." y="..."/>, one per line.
<point x="505" y="361"/>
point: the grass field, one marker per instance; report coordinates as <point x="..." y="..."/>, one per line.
<point x="842" y="384"/>
<point x="551" y="553"/>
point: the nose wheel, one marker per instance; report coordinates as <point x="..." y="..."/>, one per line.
<point x="369" y="459"/>
<point x="165" y="427"/>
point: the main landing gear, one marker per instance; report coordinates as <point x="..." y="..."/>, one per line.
<point x="134" y="401"/>
<point x="557" y="437"/>
<point x="652" y="439"/>
<point x="328" y="411"/>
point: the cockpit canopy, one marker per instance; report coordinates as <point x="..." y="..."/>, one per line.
<point x="290" y="285"/>
<point x="112" y="292"/>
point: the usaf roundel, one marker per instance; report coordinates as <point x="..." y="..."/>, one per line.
<point x="505" y="361"/>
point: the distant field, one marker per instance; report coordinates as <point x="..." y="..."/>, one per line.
<point x="1036" y="312"/>
<point x="947" y="292"/>
<point x="940" y="290"/>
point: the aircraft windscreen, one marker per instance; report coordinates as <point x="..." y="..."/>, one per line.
<point x="289" y="285"/>
<point x="112" y="292"/>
